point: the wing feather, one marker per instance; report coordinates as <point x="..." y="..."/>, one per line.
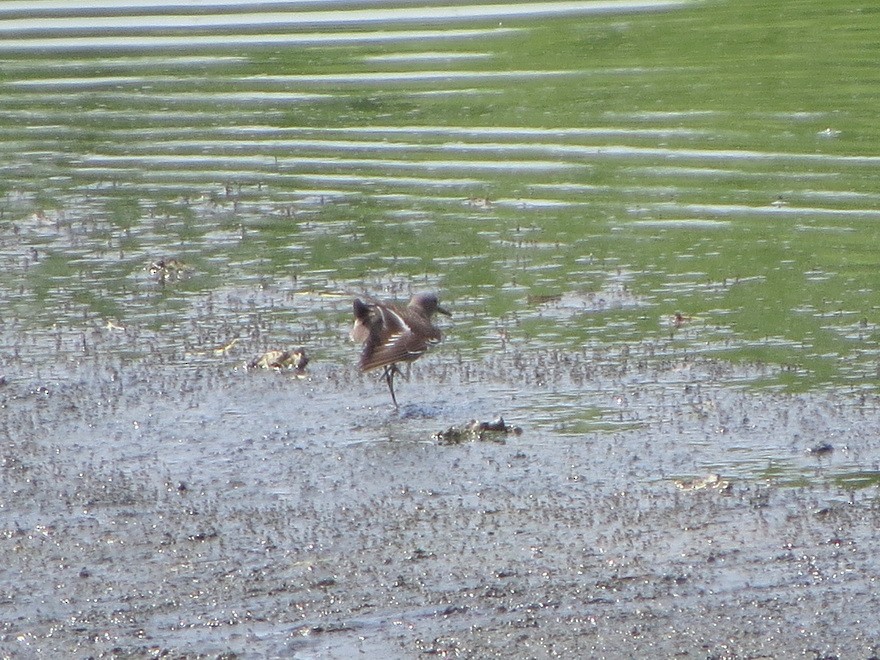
<point x="388" y="337"/>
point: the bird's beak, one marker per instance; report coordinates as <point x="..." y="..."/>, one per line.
<point x="443" y="311"/>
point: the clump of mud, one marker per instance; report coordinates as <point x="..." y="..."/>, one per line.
<point x="294" y="359"/>
<point x="494" y="431"/>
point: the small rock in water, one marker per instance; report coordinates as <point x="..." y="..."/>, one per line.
<point x="710" y="481"/>
<point x="494" y="431"/>
<point x="169" y="270"/>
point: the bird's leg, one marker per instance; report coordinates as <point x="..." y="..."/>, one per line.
<point x="405" y="375"/>
<point x="390" y="370"/>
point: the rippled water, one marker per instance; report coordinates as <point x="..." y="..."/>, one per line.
<point x="655" y="223"/>
<point x="568" y="175"/>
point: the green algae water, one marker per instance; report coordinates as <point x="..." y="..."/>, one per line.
<point x="655" y="224"/>
<point x="698" y="178"/>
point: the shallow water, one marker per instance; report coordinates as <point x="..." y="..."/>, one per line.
<point x="656" y="231"/>
<point x="548" y="157"/>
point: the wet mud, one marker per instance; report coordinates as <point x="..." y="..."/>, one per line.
<point x="157" y="510"/>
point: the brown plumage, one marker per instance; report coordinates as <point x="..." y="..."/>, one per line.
<point x="392" y="334"/>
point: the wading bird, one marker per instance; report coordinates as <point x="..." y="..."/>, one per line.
<point x="392" y="334"/>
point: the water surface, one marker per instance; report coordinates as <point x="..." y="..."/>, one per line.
<point x="571" y="181"/>
<point x="655" y="224"/>
<point x="641" y="164"/>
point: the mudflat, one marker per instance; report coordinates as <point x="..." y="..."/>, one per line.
<point x="156" y="510"/>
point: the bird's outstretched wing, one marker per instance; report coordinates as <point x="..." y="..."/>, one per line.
<point x="388" y="337"/>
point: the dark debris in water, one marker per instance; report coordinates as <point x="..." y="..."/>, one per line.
<point x="494" y="431"/>
<point x="822" y="449"/>
<point x="543" y="299"/>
